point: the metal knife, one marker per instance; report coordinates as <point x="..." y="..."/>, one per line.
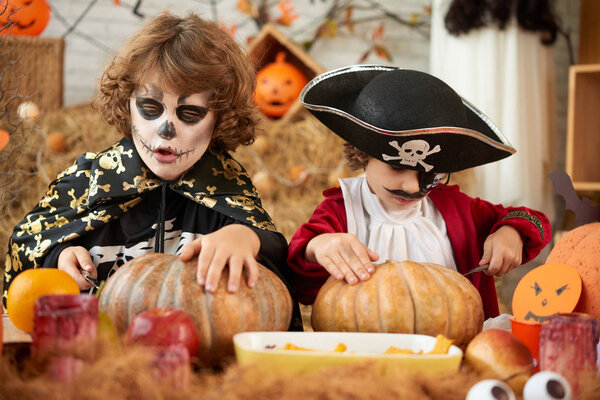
<point x="477" y="269"/>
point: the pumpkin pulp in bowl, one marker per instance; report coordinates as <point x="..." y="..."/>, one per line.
<point x="266" y="351"/>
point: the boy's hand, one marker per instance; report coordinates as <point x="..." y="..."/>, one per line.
<point x="233" y="245"/>
<point x="503" y="250"/>
<point x="73" y="260"/>
<point x="343" y="256"/>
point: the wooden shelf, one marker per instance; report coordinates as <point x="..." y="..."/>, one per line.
<point x="583" y="127"/>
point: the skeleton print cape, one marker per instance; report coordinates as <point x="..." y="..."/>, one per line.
<point x="101" y="187"/>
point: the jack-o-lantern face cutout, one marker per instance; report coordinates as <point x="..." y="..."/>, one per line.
<point x="278" y="85"/>
<point x="546" y="290"/>
<point x="29" y="17"/>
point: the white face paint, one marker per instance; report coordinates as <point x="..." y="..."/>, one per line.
<point x="170" y="132"/>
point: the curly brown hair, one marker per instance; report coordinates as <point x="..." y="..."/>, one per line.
<point x="190" y="55"/>
<point x="355" y="158"/>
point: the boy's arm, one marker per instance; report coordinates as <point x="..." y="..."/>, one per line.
<point x="533" y="226"/>
<point x="328" y="217"/>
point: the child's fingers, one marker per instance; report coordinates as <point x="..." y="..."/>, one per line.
<point x="252" y="269"/>
<point x="84" y="260"/>
<point x="364" y="255"/>
<point x="189" y="250"/>
<point x="204" y="260"/>
<point x="332" y="269"/>
<point x="344" y="268"/>
<point x="236" y="265"/>
<point x="215" y="269"/>
<point x="357" y="265"/>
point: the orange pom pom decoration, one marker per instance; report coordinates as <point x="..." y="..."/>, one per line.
<point x="4" y="138"/>
<point x="29" y="17"/>
<point x="580" y="248"/>
<point x="278" y="86"/>
<point x="56" y="142"/>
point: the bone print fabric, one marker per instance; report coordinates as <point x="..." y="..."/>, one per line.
<point x="102" y="187"/>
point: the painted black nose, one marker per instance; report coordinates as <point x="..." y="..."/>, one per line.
<point x="167" y="130"/>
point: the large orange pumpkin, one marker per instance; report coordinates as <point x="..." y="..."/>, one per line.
<point x="580" y="248"/>
<point x="402" y="297"/>
<point x="161" y="280"/>
<point x="30" y="17"/>
<point x="278" y="86"/>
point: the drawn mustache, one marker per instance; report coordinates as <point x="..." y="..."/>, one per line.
<point x="406" y="195"/>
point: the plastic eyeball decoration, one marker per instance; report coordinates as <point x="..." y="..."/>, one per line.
<point x="490" y="389"/>
<point x="547" y="385"/>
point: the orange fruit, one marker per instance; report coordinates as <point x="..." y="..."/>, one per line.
<point x="30" y="285"/>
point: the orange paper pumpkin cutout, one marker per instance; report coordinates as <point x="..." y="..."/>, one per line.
<point x="278" y="85"/>
<point x="29" y="17"/>
<point x="546" y="290"/>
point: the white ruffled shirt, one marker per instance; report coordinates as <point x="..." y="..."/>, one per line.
<point x="417" y="233"/>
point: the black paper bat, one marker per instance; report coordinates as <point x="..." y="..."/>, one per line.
<point x="585" y="212"/>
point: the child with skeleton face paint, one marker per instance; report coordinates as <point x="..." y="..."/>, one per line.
<point x="408" y="130"/>
<point x="180" y="91"/>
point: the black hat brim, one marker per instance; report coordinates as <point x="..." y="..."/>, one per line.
<point x="474" y="141"/>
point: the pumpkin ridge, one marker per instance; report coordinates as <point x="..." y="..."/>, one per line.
<point x="399" y="267"/>
<point x="333" y="307"/>
<point x="143" y="276"/>
<point x="241" y="321"/>
<point x="273" y="300"/>
<point x="381" y="322"/>
<point x="446" y="297"/>
<point x="213" y="334"/>
<point x="356" y="308"/>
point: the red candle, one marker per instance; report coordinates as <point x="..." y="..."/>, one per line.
<point x="172" y="365"/>
<point x="64" y="332"/>
<point x="568" y="346"/>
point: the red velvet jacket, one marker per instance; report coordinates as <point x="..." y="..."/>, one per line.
<point x="469" y="221"/>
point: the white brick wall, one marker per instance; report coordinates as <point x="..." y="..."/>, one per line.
<point x="111" y="25"/>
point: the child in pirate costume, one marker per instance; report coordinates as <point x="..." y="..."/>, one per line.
<point x="180" y="91"/>
<point x="408" y="130"/>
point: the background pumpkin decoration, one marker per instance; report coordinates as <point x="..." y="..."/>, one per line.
<point x="162" y="281"/>
<point x="29" y="17"/>
<point x="278" y="86"/>
<point x="580" y="248"/>
<point x="402" y="297"/>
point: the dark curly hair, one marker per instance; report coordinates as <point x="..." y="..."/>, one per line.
<point x="532" y="15"/>
<point x="190" y="55"/>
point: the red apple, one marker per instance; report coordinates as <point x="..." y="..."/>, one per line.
<point x="162" y="327"/>
<point x="499" y="353"/>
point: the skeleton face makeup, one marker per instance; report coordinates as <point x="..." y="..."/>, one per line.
<point x="170" y="132"/>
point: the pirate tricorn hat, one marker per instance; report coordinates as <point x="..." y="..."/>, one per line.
<point x="405" y="118"/>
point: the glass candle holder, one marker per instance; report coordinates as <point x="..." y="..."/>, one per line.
<point x="568" y="346"/>
<point x="64" y="332"/>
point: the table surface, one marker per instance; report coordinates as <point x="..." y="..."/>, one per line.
<point x="12" y="334"/>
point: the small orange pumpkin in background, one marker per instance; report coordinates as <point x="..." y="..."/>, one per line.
<point x="580" y="248"/>
<point x="402" y="297"/>
<point x="30" y="17"/>
<point x="278" y="86"/>
<point x="163" y="281"/>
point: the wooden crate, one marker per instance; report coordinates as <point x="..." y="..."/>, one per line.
<point x="262" y="51"/>
<point x="583" y="127"/>
<point x="33" y="70"/>
<point x="589" y="32"/>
